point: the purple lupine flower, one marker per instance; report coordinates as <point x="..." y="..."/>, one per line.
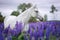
<point x="1" y="36"/>
<point x="9" y="37"/>
<point x="17" y="29"/>
<point x="1" y="30"/>
<point x="58" y="28"/>
<point x="26" y="36"/>
<point x="40" y="29"/>
<point x="57" y="31"/>
<point x="14" y="31"/>
<point x="6" y="31"/>
<point x="48" y="31"/>
<point x="53" y="30"/>
<point x="32" y="30"/>
<point x="1" y="27"/>
<point x="45" y="25"/>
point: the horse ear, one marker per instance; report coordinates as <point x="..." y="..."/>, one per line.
<point x="34" y="6"/>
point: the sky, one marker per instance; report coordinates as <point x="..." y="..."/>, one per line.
<point x="7" y="6"/>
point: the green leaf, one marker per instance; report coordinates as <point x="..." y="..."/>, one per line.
<point x="45" y="17"/>
<point x="1" y="18"/>
<point x="52" y="37"/>
<point x="14" y="38"/>
<point x="32" y="19"/>
<point x="24" y="6"/>
<point x="15" y="13"/>
<point x="21" y="37"/>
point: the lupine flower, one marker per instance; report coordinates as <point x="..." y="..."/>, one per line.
<point x="32" y="30"/>
<point x="1" y="36"/>
<point x="1" y="30"/>
<point x="9" y="37"/>
<point x="53" y="30"/>
<point x="1" y="27"/>
<point x="17" y="29"/>
<point x="57" y="31"/>
<point x="48" y="31"/>
<point x="40" y="30"/>
<point x="6" y="31"/>
<point x="12" y="32"/>
<point x="36" y="30"/>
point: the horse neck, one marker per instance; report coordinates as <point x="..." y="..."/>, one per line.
<point x="24" y="16"/>
<point x="25" y="12"/>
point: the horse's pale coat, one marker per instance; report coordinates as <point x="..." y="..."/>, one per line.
<point x="23" y="17"/>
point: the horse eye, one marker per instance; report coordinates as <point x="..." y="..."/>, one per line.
<point x="36" y="11"/>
